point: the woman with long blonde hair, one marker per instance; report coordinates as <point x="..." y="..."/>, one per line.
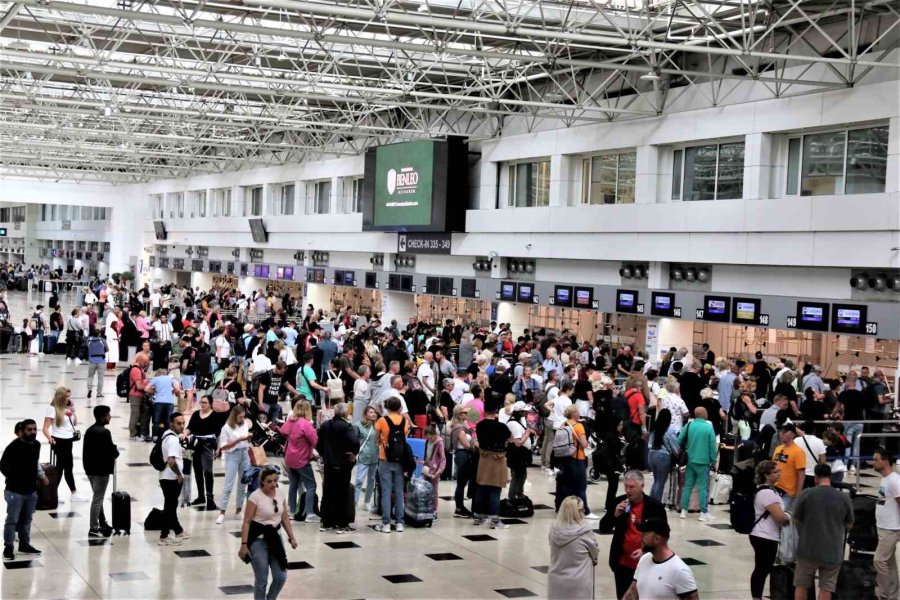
<point x="234" y="441"/>
<point x="301" y="441"/>
<point x="59" y="429"/>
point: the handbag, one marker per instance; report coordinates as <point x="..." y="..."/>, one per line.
<point x="335" y="386"/>
<point x="77" y="435"/>
<point x="257" y="456"/>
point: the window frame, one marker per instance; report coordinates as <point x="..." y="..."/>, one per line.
<point x="587" y="168"/>
<point x="512" y="170"/>
<point x="313" y="206"/>
<point x="253" y="206"/>
<point x="800" y="136"/>
<point x="679" y="157"/>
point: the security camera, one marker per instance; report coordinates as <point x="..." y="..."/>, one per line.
<point x="626" y="272"/>
<point x="859" y="282"/>
<point x="677" y="274"/>
<point x="690" y="274"/>
<point x="877" y="283"/>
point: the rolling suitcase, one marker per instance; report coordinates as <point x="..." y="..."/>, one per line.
<point x="351" y="504"/>
<point x="121" y="510"/>
<point x="47" y="498"/>
<point x="856" y="581"/>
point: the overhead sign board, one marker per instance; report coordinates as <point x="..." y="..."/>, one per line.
<point x="423" y="243"/>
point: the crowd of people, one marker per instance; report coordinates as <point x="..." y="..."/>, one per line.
<point x="223" y="375"/>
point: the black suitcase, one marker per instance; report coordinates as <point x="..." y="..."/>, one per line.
<point x="781" y="583"/>
<point x="351" y="504"/>
<point x="121" y="511"/>
<point x="863" y="535"/>
<point x="856" y="581"/>
<point x="47" y="498"/>
<point x="520" y="508"/>
<point x="301" y="508"/>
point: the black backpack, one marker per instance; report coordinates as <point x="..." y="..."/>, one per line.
<point x="396" y="442"/>
<point x="156" y="456"/>
<point x="240" y="346"/>
<point x="743" y="511"/>
<point x="123" y="382"/>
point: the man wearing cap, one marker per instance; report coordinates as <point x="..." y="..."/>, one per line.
<point x="632" y="508"/>
<point x="791" y="461"/>
<point x="660" y="574"/>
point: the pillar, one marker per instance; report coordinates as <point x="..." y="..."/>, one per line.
<point x="757" y="165"/>
<point x="397" y="305"/>
<point x="514" y="314"/>
<point x="561" y="184"/>
<point x="201" y="280"/>
<point x="646" y="175"/>
<point x="651" y="341"/>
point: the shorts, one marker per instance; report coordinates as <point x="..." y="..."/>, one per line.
<point x="805" y="572"/>
<point x="187" y="382"/>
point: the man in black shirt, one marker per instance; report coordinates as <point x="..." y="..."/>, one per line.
<point x="492" y="438"/>
<point x="99" y="455"/>
<point x="691" y="384"/>
<point x="709" y="357"/>
<point x="623" y="363"/>
<point x="21" y="466"/>
<point x="271" y="390"/>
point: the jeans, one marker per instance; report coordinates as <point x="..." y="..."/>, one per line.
<point x="138" y="420"/>
<point x="19" y="511"/>
<point x="305" y="477"/>
<point x="95" y="371"/>
<point x="852" y="431"/>
<point x="660" y="465"/>
<point x="73" y="343"/>
<point x="335" y="496"/>
<point x="262" y="562"/>
<point x="391" y="474"/>
<point x="462" y="459"/>
<point x="204" y="455"/>
<point x="273" y="412"/>
<point x="367" y="473"/>
<point x="517" y="483"/>
<point x="236" y="463"/>
<point x="764" y="552"/>
<point x="98" y="486"/>
<point x="486" y="504"/>
<point x="572" y="481"/>
<point x="162" y="411"/>
<point x="171" y="490"/>
<point x="886" y="580"/>
<point x="547" y="444"/>
<point x="696" y="474"/>
<point x="64" y="462"/>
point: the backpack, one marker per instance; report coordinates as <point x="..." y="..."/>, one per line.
<point x="96" y="348"/>
<point x="202" y="363"/>
<point x="156" y="455"/>
<point x="539" y="400"/>
<point x="335" y="386"/>
<point x="743" y="511"/>
<point x="240" y="346"/>
<point x="564" y="441"/>
<point x="396" y="442"/>
<point x="123" y="382"/>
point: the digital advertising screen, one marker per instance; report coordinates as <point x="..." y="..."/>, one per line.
<point x="745" y="311"/>
<point x="662" y="304"/>
<point x="626" y="301"/>
<point x="848" y="318"/>
<point x="716" y="308"/>
<point x="584" y="297"/>
<point x="432" y="285"/>
<point x="508" y="291"/>
<point x="349" y="276"/>
<point x="562" y="295"/>
<point x="526" y="293"/>
<point x="289" y="273"/>
<point x="468" y="287"/>
<point x="371" y="279"/>
<point x="812" y="315"/>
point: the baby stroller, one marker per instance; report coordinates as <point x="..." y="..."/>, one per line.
<point x="250" y="477"/>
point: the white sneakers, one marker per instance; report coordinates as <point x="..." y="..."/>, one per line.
<point x="77" y="497"/>
<point x="383" y="528"/>
<point x="705" y="516"/>
<point x="184" y="535"/>
<point x="169" y="541"/>
<point x="312" y="518"/>
<point x="220" y="519"/>
<point x="683" y="514"/>
<point x="77" y="361"/>
<point x="592" y="517"/>
<point x="399" y="528"/>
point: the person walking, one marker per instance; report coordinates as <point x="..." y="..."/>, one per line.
<point x="573" y="554"/>
<point x="766" y="533"/>
<point x="367" y="459"/>
<point x="234" y="444"/>
<point x="663" y="450"/>
<point x="698" y="439"/>
<point x="887" y="520"/>
<point x="660" y="573"/>
<point x="301" y="442"/>
<point x="338" y="445"/>
<point x="261" y="539"/>
<point x="99" y="454"/>
<point x="171" y="478"/>
<point x="21" y="466"/>
<point x="632" y="508"/>
<point x="60" y="421"/>
<point x="96" y="356"/>
<point x="205" y="425"/>
<point x="823" y="515"/>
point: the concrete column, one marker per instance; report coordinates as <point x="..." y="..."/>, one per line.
<point x="657" y="277"/>
<point x="757" y="165"/>
<point x="397" y="305"/>
<point x="892" y="180"/>
<point x="126" y="234"/>
<point x="336" y="195"/>
<point x="675" y="332"/>
<point x="646" y="175"/>
<point x="561" y="185"/>
<point x="32" y="251"/>
<point x="489" y="182"/>
<point x="514" y="314"/>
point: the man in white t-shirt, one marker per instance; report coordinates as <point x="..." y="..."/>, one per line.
<point x="426" y="374"/>
<point x="563" y="399"/>
<point x="660" y="573"/>
<point x="155" y="301"/>
<point x="887" y="520"/>
<point x="171" y="479"/>
<point x="814" y="448"/>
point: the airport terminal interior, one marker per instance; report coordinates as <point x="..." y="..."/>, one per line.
<point x="680" y="208"/>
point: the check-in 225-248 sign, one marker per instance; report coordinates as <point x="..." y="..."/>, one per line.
<point x="423" y="243"/>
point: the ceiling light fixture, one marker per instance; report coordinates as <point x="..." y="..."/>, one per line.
<point x="651" y="76"/>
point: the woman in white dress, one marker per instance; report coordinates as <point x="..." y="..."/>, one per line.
<point x="111" y="329"/>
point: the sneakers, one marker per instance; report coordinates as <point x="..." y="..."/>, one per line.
<point x="184" y="535"/>
<point x="95" y="533"/>
<point x="326" y="529"/>
<point x="383" y="528"/>
<point x="312" y="518"/>
<point x="135" y="438"/>
<point x="198" y="502"/>
<point x="106" y="530"/>
<point x="705" y="516"/>
<point x="220" y="519"/>
<point x="499" y="525"/>
<point x="592" y="517"/>
<point x="683" y="514"/>
<point x="77" y="361"/>
<point x="169" y="541"/>
<point x="99" y="395"/>
<point x="68" y="361"/>
<point x="478" y="522"/>
<point x="8" y="553"/>
<point x="399" y="528"/>
<point x="463" y="513"/>
<point x="76" y="497"/>
<point x="29" y="549"/>
<point x="345" y="530"/>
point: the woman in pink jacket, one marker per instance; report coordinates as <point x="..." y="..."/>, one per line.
<point x="435" y="461"/>
<point x="143" y="326"/>
<point x="301" y="441"/>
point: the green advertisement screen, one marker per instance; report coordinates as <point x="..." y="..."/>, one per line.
<point x="404" y="184"/>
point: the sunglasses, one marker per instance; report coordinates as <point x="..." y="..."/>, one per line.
<point x="275" y="505"/>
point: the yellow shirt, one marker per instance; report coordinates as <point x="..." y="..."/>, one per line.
<point x="789" y="461"/>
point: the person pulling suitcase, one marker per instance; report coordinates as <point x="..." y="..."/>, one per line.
<point x="99" y="454"/>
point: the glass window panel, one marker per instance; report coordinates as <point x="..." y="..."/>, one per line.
<point x="866" y="160"/>
<point x="823" y="164"/>
<point x="625" y="183"/>
<point x="43" y="212"/>
<point x="603" y="180"/>
<point x="730" y="184"/>
<point x="54" y="212"/>
<point x="287" y="199"/>
<point x="256" y="195"/>
<point x="676" y="174"/>
<point x="323" y="197"/>
<point x="542" y="183"/>
<point x="586" y="181"/>
<point x="512" y="182"/>
<point x="523" y="184"/>
<point x="793" y="169"/>
<point x="700" y="173"/>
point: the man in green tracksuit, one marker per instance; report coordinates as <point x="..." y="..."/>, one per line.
<point x="698" y="439"/>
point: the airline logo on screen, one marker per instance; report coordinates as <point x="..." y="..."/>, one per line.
<point x="404" y="182"/>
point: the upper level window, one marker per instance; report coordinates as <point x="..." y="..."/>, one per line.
<point x="838" y="162"/>
<point x="321" y="198"/>
<point x="198" y="204"/>
<point x="608" y="179"/>
<point x="253" y="201"/>
<point x="5" y="215"/>
<point x="175" y="202"/>
<point x="529" y="184"/>
<point x="157" y="206"/>
<point x="711" y="172"/>
<point x="352" y="195"/>
<point x="221" y="202"/>
<point x="283" y="201"/>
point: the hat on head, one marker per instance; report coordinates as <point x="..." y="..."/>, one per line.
<point x="657" y="526"/>
<point x="789" y="427"/>
<point x="248" y="327"/>
<point x="520" y="406"/>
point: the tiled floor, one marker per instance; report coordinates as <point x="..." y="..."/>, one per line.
<point x="510" y="563"/>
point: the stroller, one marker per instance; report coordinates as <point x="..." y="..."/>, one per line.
<point x="250" y="476"/>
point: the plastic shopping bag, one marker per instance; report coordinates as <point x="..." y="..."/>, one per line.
<point x="787" y="547"/>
